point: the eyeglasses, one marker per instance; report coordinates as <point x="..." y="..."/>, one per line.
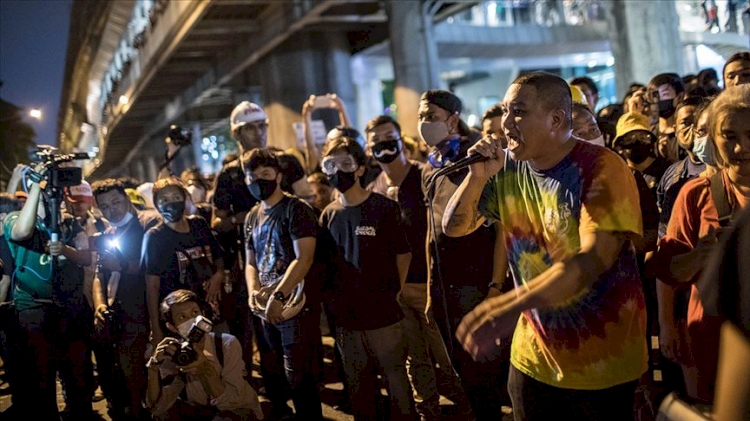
<point x="345" y="163"/>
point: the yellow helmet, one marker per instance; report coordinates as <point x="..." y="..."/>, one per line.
<point x="578" y="96"/>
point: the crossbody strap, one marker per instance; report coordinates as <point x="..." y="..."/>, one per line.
<point x="721" y="201"/>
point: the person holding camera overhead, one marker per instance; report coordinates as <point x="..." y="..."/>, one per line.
<point x="194" y="373"/>
<point x="50" y="305"/>
<point x="179" y="253"/>
<point x="119" y="297"/>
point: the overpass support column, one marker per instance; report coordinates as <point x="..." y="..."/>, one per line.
<point x="415" y="59"/>
<point x="645" y="40"/>
<point x="308" y="64"/>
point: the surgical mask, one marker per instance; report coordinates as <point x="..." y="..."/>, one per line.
<point x="123" y="221"/>
<point x="262" y="189"/>
<point x="184" y="327"/>
<point x="342" y="181"/>
<point x="172" y="211"/>
<point x="597" y="141"/>
<point x="197" y="194"/>
<point x="386" y="151"/>
<point x="433" y="132"/>
<point x="704" y="150"/>
<point x="666" y="108"/>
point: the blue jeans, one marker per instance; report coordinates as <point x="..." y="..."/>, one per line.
<point x="385" y="347"/>
<point x="294" y="344"/>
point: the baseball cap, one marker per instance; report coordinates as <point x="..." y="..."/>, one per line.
<point x="443" y="99"/>
<point x="80" y="193"/>
<point x="246" y="112"/>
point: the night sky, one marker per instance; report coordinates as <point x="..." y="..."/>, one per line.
<point x="33" y="39"/>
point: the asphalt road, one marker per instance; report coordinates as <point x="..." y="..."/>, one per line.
<point x="332" y="395"/>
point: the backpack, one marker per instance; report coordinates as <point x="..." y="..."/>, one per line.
<point x="721" y="201"/>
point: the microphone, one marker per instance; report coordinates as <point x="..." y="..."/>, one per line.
<point x="462" y="163"/>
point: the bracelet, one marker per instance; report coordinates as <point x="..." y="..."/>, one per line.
<point x="497" y="286"/>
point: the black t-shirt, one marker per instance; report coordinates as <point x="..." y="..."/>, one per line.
<point x="270" y="234"/>
<point x="131" y="289"/>
<point x="7" y="258"/>
<point x="291" y="171"/>
<point x="181" y="260"/>
<point x="410" y="197"/>
<point x="464" y="261"/>
<point x="231" y="194"/>
<point x="368" y="236"/>
<point x="654" y="173"/>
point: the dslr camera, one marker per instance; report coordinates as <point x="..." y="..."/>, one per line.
<point x="180" y="136"/>
<point x="186" y="354"/>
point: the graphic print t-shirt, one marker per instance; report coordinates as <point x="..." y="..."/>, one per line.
<point x="180" y="260"/>
<point x="270" y="234"/>
<point x="598" y="339"/>
<point x="368" y="238"/>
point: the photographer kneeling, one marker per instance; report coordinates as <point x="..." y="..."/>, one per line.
<point x="195" y="374"/>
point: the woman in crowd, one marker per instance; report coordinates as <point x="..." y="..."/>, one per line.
<point x="703" y="207"/>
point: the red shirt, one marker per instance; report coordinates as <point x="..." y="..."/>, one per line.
<point x="693" y="214"/>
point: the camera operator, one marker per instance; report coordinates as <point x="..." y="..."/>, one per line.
<point x="210" y="386"/>
<point x="51" y="308"/>
<point x="179" y="253"/>
<point x="119" y="294"/>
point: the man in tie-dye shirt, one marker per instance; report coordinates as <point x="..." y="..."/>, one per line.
<point x="568" y="212"/>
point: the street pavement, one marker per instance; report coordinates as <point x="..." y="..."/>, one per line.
<point x="332" y="395"/>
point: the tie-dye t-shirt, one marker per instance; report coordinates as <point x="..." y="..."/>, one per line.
<point x="598" y="339"/>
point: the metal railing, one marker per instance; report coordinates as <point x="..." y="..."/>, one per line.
<point x="508" y="13"/>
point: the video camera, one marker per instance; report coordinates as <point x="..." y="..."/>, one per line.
<point x="57" y="176"/>
<point x="186" y="354"/>
<point x="180" y="136"/>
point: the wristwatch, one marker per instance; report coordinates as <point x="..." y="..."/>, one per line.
<point x="279" y="296"/>
<point x="153" y="363"/>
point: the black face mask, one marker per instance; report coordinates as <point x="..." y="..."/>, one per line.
<point x="172" y="211"/>
<point x="386" y="151"/>
<point x="262" y="189"/>
<point x="637" y="153"/>
<point x="342" y="181"/>
<point x="666" y="108"/>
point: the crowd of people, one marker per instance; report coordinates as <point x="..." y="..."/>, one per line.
<point x="583" y="263"/>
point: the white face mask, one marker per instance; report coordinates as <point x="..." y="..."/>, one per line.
<point x="122" y="222"/>
<point x="433" y="132"/>
<point x="598" y="141"/>
<point x="704" y="150"/>
<point x="184" y="327"/>
<point x="197" y="194"/>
